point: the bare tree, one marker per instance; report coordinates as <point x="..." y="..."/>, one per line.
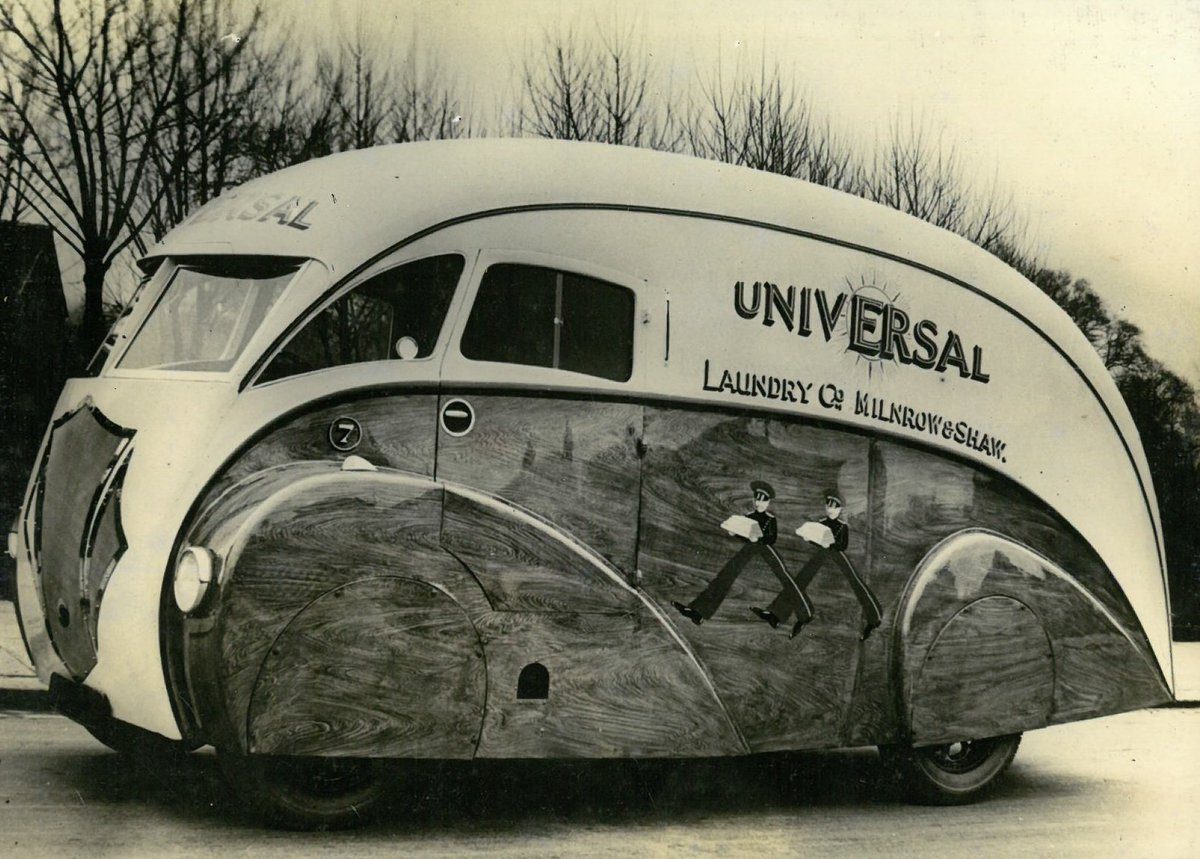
<point x="90" y="88"/>
<point x="359" y="79"/>
<point x="350" y="94"/>
<point x="1079" y="300"/>
<point x="426" y="106"/>
<point x="385" y="97"/>
<point x="1122" y="347"/>
<point x="297" y="121"/>
<point x="1117" y="341"/>
<point x="202" y="146"/>
<point x="14" y="174"/>
<point x="595" y="88"/>
<point x="918" y="172"/>
<point x="559" y="93"/>
<point x="765" y="122"/>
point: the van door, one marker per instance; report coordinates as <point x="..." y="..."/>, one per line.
<point x="358" y="374"/>
<point x="534" y="412"/>
<point x="703" y="466"/>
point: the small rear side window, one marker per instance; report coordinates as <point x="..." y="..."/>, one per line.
<point x="396" y="314"/>
<point x="543" y="317"/>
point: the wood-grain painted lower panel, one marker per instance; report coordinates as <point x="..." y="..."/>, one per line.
<point x="783" y="693"/>
<point x="381" y="667"/>
<point x="397" y="432"/>
<point x="572" y="462"/>
<point x="989" y="672"/>
<point x="361" y="525"/>
<point x="619" y="687"/>
<point x="1096" y="668"/>
<point x="522" y="568"/>
<point x="919" y="499"/>
<point x="620" y="684"/>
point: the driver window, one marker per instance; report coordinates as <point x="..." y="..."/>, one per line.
<point x="395" y="315"/>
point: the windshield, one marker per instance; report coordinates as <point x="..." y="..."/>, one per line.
<point x="208" y="313"/>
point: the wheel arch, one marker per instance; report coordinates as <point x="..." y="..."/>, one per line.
<point x="291" y="539"/>
<point x="385" y="666"/>
<point x="993" y="638"/>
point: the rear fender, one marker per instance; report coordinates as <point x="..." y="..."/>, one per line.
<point x="994" y="639"/>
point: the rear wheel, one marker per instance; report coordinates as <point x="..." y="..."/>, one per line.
<point x="306" y="793"/>
<point x="952" y="773"/>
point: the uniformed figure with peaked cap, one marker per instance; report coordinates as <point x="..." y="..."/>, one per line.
<point x="794" y="600"/>
<point x="705" y="605"/>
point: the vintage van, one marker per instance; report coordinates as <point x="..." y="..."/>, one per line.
<point x="524" y="449"/>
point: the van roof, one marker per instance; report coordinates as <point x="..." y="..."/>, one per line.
<point x="348" y="207"/>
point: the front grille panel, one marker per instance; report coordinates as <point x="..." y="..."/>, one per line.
<point x="79" y="537"/>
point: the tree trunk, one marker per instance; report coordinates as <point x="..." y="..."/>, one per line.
<point x="92" y="327"/>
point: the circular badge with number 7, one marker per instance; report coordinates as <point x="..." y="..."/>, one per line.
<point x="345" y="434"/>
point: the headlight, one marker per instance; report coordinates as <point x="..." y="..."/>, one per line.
<point x="193" y="574"/>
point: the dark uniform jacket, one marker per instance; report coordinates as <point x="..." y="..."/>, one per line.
<point x="841" y="533"/>
<point x="768" y="524"/>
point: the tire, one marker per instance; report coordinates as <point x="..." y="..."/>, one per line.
<point x="306" y="793"/>
<point x="952" y="773"/>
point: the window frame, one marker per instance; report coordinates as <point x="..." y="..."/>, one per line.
<point x="152" y="294"/>
<point x="458" y="368"/>
<point x="338" y="291"/>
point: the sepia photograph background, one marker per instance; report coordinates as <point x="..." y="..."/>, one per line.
<point x="1063" y="137"/>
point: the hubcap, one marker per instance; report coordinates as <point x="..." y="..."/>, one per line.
<point x="960" y="757"/>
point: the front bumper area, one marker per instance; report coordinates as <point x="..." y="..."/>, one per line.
<point x="79" y="703"/>
<point x="91" y="709"/>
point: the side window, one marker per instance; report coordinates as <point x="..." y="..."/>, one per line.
<point x="547" y="318"/>
<point x="398" y="314"/>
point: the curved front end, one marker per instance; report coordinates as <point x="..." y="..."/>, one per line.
<point x="111" y="485"/>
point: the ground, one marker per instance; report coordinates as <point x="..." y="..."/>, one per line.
<point x="1120" y="786"/>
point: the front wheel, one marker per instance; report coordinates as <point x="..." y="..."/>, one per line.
<point x="306" y="793"/>
<point x="952" y="773"/>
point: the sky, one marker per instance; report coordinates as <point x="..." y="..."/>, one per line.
<point x="1088" y="112"/>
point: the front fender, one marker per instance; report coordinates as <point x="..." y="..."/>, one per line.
<point x="384" y="614"/>
<point x="309" y="551"/>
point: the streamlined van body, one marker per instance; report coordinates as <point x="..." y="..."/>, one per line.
<point x="513" y="449"/>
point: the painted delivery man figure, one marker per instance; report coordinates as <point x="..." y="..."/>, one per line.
<point x="786" y="604"/>
<point x="706" y="604"/>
